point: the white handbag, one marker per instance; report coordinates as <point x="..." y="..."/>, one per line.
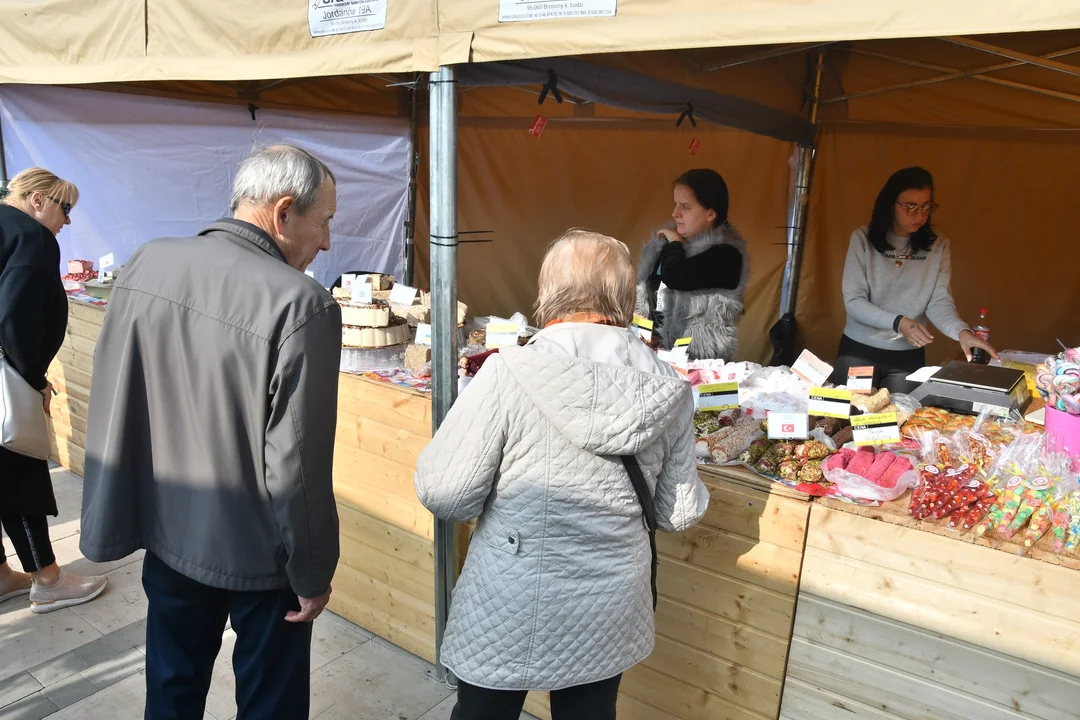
<point x="23" y="427"/>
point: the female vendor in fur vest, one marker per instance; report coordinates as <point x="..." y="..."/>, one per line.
<point x="692" y="277"/>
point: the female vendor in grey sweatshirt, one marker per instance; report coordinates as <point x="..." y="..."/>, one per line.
<point x="896" y="278"/>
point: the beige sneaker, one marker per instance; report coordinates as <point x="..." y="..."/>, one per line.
<point x="14" y="585"/>
<point x="69" y="590"/>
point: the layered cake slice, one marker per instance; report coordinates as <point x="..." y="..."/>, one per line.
<point x="396" y="333"/>
<point x="374" y="315"/>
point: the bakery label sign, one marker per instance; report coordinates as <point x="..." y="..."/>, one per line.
<point x="337" y="17"/>
<point x="519" y="10"/>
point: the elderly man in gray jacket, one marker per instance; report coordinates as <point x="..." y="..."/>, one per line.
<point x="211" y="437"/>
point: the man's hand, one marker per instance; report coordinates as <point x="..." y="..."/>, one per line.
<point x="310" y="608"/>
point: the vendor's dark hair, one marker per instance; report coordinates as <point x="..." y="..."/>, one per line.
<point x="709" y="189"/>
<point x="912" y="178"/>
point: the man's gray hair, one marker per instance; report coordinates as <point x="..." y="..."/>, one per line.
<point x="275" y="171"/>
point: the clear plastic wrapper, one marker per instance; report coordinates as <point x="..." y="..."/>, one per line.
<point x="866" y="475"/>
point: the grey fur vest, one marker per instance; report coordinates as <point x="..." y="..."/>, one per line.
<point x="711" y="317"/>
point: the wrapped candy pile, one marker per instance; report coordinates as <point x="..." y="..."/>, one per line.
<point x="1058" y="380"/>
<point x="1021" y="491"/>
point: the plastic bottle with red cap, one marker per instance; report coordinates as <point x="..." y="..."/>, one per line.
<point x="982" y="331"/>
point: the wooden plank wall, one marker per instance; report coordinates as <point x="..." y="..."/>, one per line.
<point x="70" y="374"/>
<point x="896" y="622"/>
<point x="385" y="580"/>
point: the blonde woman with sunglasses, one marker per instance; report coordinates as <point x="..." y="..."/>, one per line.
<point x="896" y="282"/>
<point x="33" y="320"/>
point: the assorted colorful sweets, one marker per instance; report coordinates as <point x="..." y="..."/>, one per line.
<point x="1019" y="491"/>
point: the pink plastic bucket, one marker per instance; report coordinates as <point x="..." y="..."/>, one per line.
<point x="1066" y="431"/>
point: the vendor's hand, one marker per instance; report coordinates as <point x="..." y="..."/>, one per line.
<point x="46" y="397"/>
<point x="969" y="341"/>
<point x="310" y="608"/>
<point x="670" y="235"/>
<point x="915" y="333"/>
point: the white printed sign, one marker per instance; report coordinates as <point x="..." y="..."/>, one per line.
<point x="718" y="396"/>
<point x="519" y="10"/>
<point x="812" y="369"/>
<point x="106" y="262"/>
<point x="347" y="281"/>
<point x="423" y="334"/>
<point x="502" y="334"/>
<point x="337" y="17"/>
<point x="877" y="429"/>
<point x="361" y="293"/>
<point x="830" y="403"/>
<point x="788" y="426"/>
<point x="402" y="295"/>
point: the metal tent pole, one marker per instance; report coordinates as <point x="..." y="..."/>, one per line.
<point x="414" y="164"/>
<point x="798" y="208"/>
<point x="443" y="243"/>
<point x="3" y="161"/>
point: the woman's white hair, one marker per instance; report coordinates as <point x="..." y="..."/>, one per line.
<point x="276" y="171"/>
<point x="586" y="272"/>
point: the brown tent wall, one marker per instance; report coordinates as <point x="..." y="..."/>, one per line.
<point x="1003" y="155"/>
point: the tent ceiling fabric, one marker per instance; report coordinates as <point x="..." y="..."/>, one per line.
<point x="629" y="90"/>
<point x="73" y="41"/>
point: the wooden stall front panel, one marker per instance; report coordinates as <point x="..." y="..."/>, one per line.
<point x="385" y="580"/>
<point x="70" y="374"/>
<point x="897" y="622"/>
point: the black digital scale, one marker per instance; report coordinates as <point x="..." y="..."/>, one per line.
<point x="972" y="389"/>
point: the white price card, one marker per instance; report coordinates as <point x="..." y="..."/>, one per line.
<point x="788" y="426"/>
<point x="423" y="334"/>
<point x="502" y="334"/>
<point x="337" y="17"/>
<point x="825" y="402"/>
<point x="106" y="261"/>
<point x="861" y="380"/>
<point x="347" y="281"/>
<point x="361" y="292"/>
<point x="402" y="295"/>
<point x="876" y="429"/>
<point x="643" y="327"/>
<point x="521" y="10"/>
<point x="718" y="396"/>
<point x="812" y="369"/>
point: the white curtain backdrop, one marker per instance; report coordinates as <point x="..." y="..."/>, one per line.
<point x="150" y="167"/>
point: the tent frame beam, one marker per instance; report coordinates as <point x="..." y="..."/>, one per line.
<point x="765" y="55"/>
<point x="1043" y="62"/>
<point x="953" y="74"/>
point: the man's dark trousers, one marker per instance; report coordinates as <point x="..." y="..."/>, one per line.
<point x="184" y="625"/>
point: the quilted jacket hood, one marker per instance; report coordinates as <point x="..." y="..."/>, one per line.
<point x="599" y="386"/>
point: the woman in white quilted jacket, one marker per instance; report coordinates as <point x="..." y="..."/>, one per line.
<point x="556" y="590"/>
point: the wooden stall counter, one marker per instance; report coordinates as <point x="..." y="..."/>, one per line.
<point x="899" y="618"/>
<point x="727" y="586"/>
<point x="70" y="375"/>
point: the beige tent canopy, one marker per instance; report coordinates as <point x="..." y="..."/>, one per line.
<point x="72" y="41"/>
